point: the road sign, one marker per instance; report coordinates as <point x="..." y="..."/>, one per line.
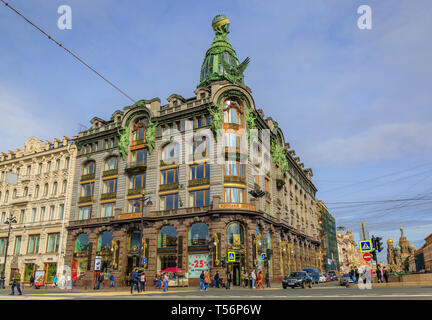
<point x="367" y="256"/>
<point x="231" y="256"/>
<point x="144" y="261"/>
<point x="263" y="256"/>
<point x="366" y="245"/>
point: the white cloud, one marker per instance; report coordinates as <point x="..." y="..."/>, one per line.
<point x="377" y="143"/>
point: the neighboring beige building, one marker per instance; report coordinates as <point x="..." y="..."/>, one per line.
<point x="40" y="203"/>
<point x="348" y="251"/>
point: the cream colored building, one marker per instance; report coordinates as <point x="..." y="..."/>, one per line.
<point x="348" y="251"/>
<point x="40" y="203"/>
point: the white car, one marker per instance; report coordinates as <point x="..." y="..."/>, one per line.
<point x="322" y="278"/>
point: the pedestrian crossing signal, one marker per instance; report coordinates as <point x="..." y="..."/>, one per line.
<point x="366" y="246"/>
<point x="231" y="256"/>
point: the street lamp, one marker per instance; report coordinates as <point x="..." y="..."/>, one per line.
<point x="8" y="221"/>
<point x="144" y="201"/>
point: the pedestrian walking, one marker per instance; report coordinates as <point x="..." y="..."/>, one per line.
<point x="352" y="274"/>
<point x="32" y="281"/>
<point x="379" y="274"/>
<point x="216" y="280"/>
<point x="202" y="281"/>
<point x="250" y="279"/>
<point x="16" y="282"/>
<point x="100" y="280"/>
<point x="357" y="275"/>
<point x="143" y="280"/>
<point x="245" y="279"/>
<point x="267" y="279"/>
<point x="134" y="281"/>
<point x="385" y="274"/>
<point x="155" y="281"/>
<point x="206" y="280"/>
<point x="259" y="281"/>
<point x="74" y="279"/>
<point x="253" y="274"/>
<point x="165" y="282"/>
<point x="229" y="280"/>
<point x="112" y="283"/>
<point x="55" y="280"/>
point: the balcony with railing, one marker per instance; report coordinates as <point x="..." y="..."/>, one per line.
<point x="169" y="186"/>
<point x="199" y="182"/>
<point x="85" y="199"/>
<point x="234" y="179"/>
<point x="133" y="167"/>
<point x="108" y="195"/>
<point x="108" y="173"/>
<point x="135" y="191"/>
<point x="89" y="176"/>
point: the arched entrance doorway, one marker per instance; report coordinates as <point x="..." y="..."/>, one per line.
<point x="237" y="250"/>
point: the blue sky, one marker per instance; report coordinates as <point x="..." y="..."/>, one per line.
<point x="354" y="104"/>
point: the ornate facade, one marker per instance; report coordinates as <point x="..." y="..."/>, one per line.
<point x="192" y="158"/>
<point x="398" y="257"/>
<point x="329" y="255"/>
<point x="40" y="203"/>
<point x="348" y="251"/>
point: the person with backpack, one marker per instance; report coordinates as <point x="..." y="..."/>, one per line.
<point x="16" y="283"/>
<point x="206" y="280"/>
<point x="134" y="281"/>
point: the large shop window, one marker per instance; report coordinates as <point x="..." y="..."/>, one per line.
<point x="235" y="234"/>
<point x="234" y="195"/>
<point x="109" y="186"/>
<point x="105" y="241"/>
<point x="232" y="111"/>
<point x="81" y="243"/>
<point x="167" y="237"/>
<point x="169" y="201"/>
<point x="139" y="156"/>
<point x="84" y="212"/>
<point x="111" y="163"/>
<point x="137" y="181"/>
<point x="89" y="167"/>
<point x="199" y="171"/>
<point x="233" y="168"/>
<point x="134" y="241"/>
<point x="107" y="209"/>
<point x="169" y="176"/>
<point x="198" y="234"/>
<point x="87" y="189"/>
<point x="199" y="198"/>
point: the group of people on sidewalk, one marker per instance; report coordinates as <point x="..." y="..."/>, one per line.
<point x="380" y="273"/>
<point x="254" y="279"/>
<point x="138" y="280"/>
<point x="161" y="282"/>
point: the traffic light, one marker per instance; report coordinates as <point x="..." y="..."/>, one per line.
<point x="374" y="256"/>
<point x="379" y="244"/>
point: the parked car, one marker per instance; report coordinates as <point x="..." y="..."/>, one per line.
<point x="333" y="276"/>
<point x="327" y="276"/>
<point x="322" y="278"/>
<point x="313" y="273"/>
<point x="297" y="279"/>
<point x="345" y="280"/>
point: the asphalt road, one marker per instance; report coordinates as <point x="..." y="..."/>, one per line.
<point x="327" y="291"/>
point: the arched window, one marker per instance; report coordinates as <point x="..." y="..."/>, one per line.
<point x="64" y="186"/>
<point x="167" y="237"/>
<point x="36" y="193"/>
<point x="105" y="241"/>
<point x="81" y="243"/>
<point x="6" y="196"/>
<point x="45" y="189"/>
<point x="14" y="194"/>
<point x="25" y="194"/>
<point x="235" y="234"/>
<point x="89" y="167"/>
<point x="111" y="163"/>
<point x="138" y="131"/>
<point x="198" y="234"/>
<point x="233" y="111"/>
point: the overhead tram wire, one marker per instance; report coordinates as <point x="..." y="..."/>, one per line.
<point x="68" y="51"/>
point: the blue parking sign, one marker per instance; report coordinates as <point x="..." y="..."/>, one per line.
<point x="144" y="261"/>
<point x="263" y="256"/>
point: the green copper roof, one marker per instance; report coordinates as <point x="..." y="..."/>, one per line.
<point x="221" y="62"/>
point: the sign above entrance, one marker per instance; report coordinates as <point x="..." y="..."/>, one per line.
<point x="231" y="256"/>
<point x="243" y="206"/>
<point x="366" y="246"/>
<point x="129" y="215"/>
